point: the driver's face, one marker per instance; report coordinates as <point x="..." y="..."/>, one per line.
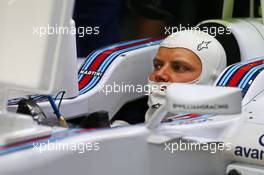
<point x="175" y="65"/>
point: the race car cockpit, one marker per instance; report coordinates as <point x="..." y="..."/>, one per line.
<point x="224" y="121"/>
<point x="125" y="66"/>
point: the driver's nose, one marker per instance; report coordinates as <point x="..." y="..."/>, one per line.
<point x="162" y="75"/>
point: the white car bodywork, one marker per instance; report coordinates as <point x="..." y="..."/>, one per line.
<point x="140" y="150"/>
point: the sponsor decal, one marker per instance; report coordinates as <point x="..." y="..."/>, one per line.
<point x="90" y="72"/>
<point x="261" y="140"/>
<point x="252" y="153"/>
<point x="203" y="45"/>
<point x="205" y="106"/>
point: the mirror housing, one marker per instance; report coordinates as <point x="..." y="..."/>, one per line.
<point x="203" y="99"/>
<point x="198" y="99"/>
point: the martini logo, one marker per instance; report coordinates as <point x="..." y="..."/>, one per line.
<point x="203" y="45"/>
<point x="89" y="72"/>
<point x="253" y="153"/>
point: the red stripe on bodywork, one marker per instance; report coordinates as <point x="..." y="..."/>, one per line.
<point x="24" y="142"/>
<point x="241" y="72"/>
<point x="59" y="135"/>
<point x="188" y="116"/>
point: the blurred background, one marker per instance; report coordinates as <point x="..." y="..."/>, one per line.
<point x="112" y="21"/>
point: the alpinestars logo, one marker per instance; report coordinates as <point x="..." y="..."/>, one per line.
<point x="252" y="153"/>
<point x="203" y="45"/>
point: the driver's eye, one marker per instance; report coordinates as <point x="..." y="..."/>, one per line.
<point x="180" y="68"/>
<point x="157" y="65"/>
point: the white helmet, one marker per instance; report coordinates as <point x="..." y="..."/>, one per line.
<point x="206" y="47"/>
